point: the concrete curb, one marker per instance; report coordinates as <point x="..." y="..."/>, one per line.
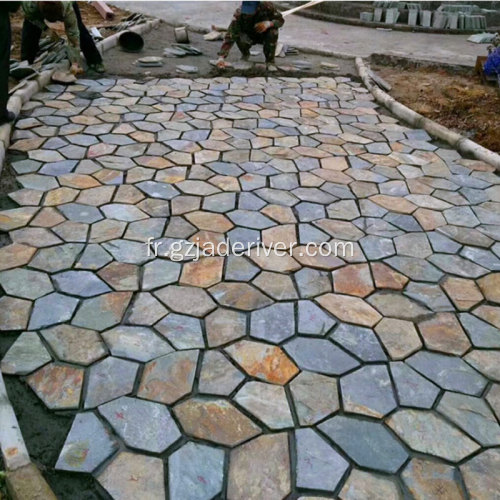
<point x="458" y="141"/>
<point x="23" y="95"/>
<point x="24" y="480"/>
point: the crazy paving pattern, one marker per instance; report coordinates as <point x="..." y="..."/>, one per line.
<point x="254" y="377"/>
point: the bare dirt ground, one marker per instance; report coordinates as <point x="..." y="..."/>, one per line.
<point x="461" y="102"/>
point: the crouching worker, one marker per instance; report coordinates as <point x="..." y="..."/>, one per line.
<point x="36" y="13"/>
<point x="253" y="23"/>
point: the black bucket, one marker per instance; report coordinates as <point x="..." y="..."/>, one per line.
<point x="131" y="42"/>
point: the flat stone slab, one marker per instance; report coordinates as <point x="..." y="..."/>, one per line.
<point x="196" y="471"/>
<point x="369" y="444"/>
<point x="169" y="378"/>
<point x="423" y="431"/>
<point x="25" y="355"/>
<point x="215" y="420"/>
<point x="87" y="446"/>
<point x="268" y="459"/>
<point x="109" y="379"/>
<point x="131" y="475"/>
<point x="218" y="376"/>
<point x="319" y="466"/>
<point x="141" y="424"/>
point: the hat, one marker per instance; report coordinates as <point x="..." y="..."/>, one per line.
<point x="249" y="7"/>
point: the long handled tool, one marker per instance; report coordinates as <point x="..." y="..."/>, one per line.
<point x="300" y="7"/>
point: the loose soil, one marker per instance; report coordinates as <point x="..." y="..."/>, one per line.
<point x="460" y="102"/>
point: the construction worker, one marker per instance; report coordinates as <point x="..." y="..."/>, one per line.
<point x="5" y="41"/>
<point x="253" y="23"/>
<point x="36" y="13"/>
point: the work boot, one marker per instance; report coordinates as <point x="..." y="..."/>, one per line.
<point x="98" y="68"/>
<point x="8" y="117"/>
<point x="271" y="67"/>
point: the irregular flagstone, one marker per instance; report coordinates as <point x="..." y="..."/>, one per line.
<point x="158" y="273"/>
<point x="415" y="268"/>
<point x="319" y="466"/>
<point x="473" y="416"/>
<point x="186" y="300"/>
<point x="196" y="471"/>
<point x="278" y="286"/>
<point x="491" y="314"/>
<point x="315" y="396"/>
<point x="464" y="293"/>
<point x="74" y="345"/>
<point x="87" y="446"/>
<point x="490" y="286"/>
<point x="493" y="398"/>
<point x="368" y="391"/>
<point x="263" y="361"/>
<point x="52" y="309"/>
<point x="480" y="475"/>
<point x="450" y="373"/>
<point x="424" y="432"/>
<point x="202" y="273"/>
<point x="486" y="362"/>
<point x="58" y="386"/>
<point x="396" y="305"/>
<point x="430" y="479"/>
<point x="443" y="333"/>
<point x="15" y="255"/>
<point x="362" y="342"/>
<point x="183" y="332"/>
<point x="239" y="296"/>
<point x="16" y="217"/>
<point x="268" y="403"/>
<point x="109" y="379"/>
<point x="369" y="444"/>
<point x="25" y="283"/>
<point x="430" y="295"/>
<point x="145" y="310"/>
<point x="274" y="323"/>
<point x="80" y="283"/>
<point x="349" y="309"/>
<point x="136" y="343"/>
<point x="320" y="355"/>
<point x="169" y="378"/>
<point x="361" y="484"/>
<point x="25" y="355"/>
<point x="218" y="376"/>
<point x="223" y="326"/>
<point x="411" y="388"/>
<point x="353" y="280"/>
<point x="312" y="320"/>
<point x="120" y="276"/>
<point x="102" y="312"/>
<point x="14" y="313"/>
<point x="131" y="475"/>
<point x="268" y="459"/>
<point x="399" y="337"/>
<point x="141" y="424"/>
<point x="215" y="420"/>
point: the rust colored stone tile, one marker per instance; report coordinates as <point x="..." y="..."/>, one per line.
<point x="263" y="361"/>
<point x="202" y="273"/>
<point x="353" y="280"/>
<point x="385" y="277"/>
<point x="463" y="293"/>
<point x="350" y="309"/>
<point x="444" y="333"/>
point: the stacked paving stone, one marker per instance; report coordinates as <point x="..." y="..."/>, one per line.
<point x="372" y="375"/>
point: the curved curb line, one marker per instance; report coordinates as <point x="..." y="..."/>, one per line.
<point x="24" y="480"/>
<point x="24" y="94"/>
<point x="458" y="141"/>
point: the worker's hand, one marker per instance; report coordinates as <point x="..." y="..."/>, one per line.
<point x="53" y="36"/>
<point x="221" y="63"/>
<point x="263" y="26"/>
<point x="76" y="69"/>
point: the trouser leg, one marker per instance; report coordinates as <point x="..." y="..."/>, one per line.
<point x="87" y="44"/>
<point x="270" y="43"/>
<point x="5" y="42"/>
<point x="244" y="42"/>
<point x="30" y="41"/>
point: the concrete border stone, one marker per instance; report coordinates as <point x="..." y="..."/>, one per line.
<point x="458" y="141"/>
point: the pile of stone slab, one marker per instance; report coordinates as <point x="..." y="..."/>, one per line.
<point x="454" y="17"/>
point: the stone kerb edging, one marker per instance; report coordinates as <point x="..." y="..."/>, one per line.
<point x="24" y="94"/>
<point x="458" y="141"/>
<point x="24" y="480"/>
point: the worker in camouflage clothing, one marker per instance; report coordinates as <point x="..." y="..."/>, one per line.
<point x="253" y="23"/>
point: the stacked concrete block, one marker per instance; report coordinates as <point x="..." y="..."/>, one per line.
<point x="366" y="17"/>
<point x="377" y="15"/>
<point x="439" y="20"/>
<point x="412" y="17"/>
<point x="425" y="18"/>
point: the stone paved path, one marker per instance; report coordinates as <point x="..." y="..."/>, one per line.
<point x="255" y="377"/>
